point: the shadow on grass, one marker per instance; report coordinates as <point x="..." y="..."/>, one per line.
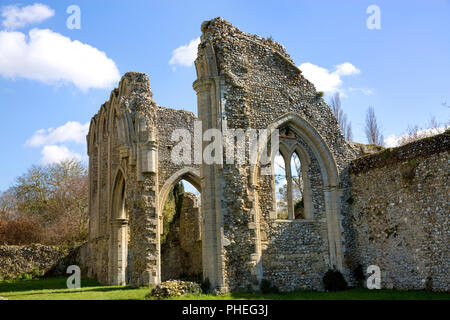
<point x="65" y="291"/>
<point x="41" y="284"/>
<point x="350" y="294"/>
<point x="56" y="287"/>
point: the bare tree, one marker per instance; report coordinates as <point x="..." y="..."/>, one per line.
<point x="415" y="132"/>
<point x="373" y="128"/>
<point x="346" y="126"/>
<point x="8" y="205"/>
<point x="56" y="196"/>
<point x="296" y="176"/>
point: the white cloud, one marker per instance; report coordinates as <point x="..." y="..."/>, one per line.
<point x="327" y="81"/>
<point x="50" y="57"/>
<point x="15" y="17"/>
<point x="185" y="55"/>
<point x="321" y="77"/>
<point x="72" y="131"/>
<point x="51" y="140"/>
<point x="346" y="69"/>
<point x="54" y="154"/>
<point x="365" y="91"/>
<point x="394" y="141"/>
<point x="391" y="141"/>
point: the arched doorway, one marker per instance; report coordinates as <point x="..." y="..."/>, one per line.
<point x="181" y="228"/>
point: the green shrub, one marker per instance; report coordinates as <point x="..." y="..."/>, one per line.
<point x="25" y="276"/>
<point x="267" y="287"/>
<point x="333" y="280"/>
<point x="206" y="286"/>
<point x="429" y="284"/>
<point x="358" y="274"/>
<point x="299" y="204"/>
<point x="387" y="154"/>
<point x="175" y="288"/>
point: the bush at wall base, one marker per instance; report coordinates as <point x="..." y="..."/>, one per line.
<point x="333" y="280"/>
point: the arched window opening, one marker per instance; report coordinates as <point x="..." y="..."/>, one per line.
<point x="289" y="175"/>
<point x="297" y="187"/>
<point x="281" y="192"/>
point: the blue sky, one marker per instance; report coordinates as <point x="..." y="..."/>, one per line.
<point x="402" y="69"/>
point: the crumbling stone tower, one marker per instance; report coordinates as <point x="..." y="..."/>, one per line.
<point x="243" y="81"/>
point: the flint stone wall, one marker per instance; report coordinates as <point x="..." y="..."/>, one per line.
<point x="258" y="86"/>
<point x="129" y="145"/>
<point x="400" y="211"/>
<point x="36" y="260"/>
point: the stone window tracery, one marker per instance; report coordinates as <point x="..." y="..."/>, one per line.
<point x="292" y="189"/>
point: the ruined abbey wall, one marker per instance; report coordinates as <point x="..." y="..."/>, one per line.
<point x="129" y="149"/>
<point x="357" y="210"/>
<point x="246" y="81"/>
<point x="400" y="209"/>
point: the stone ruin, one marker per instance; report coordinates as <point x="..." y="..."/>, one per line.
<point x="181" y="254"/>
<point x="235" y="239"/>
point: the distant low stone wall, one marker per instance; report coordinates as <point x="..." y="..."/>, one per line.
<point x="400" y="211"/>
<point x="36" y="260"/>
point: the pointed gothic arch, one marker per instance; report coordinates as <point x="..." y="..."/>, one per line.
<point x="329" y="173"/>
<point x="118" y="253"/>
<point x="192" y="175"/>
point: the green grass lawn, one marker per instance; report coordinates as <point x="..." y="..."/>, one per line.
<point x="55" y="289"/>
